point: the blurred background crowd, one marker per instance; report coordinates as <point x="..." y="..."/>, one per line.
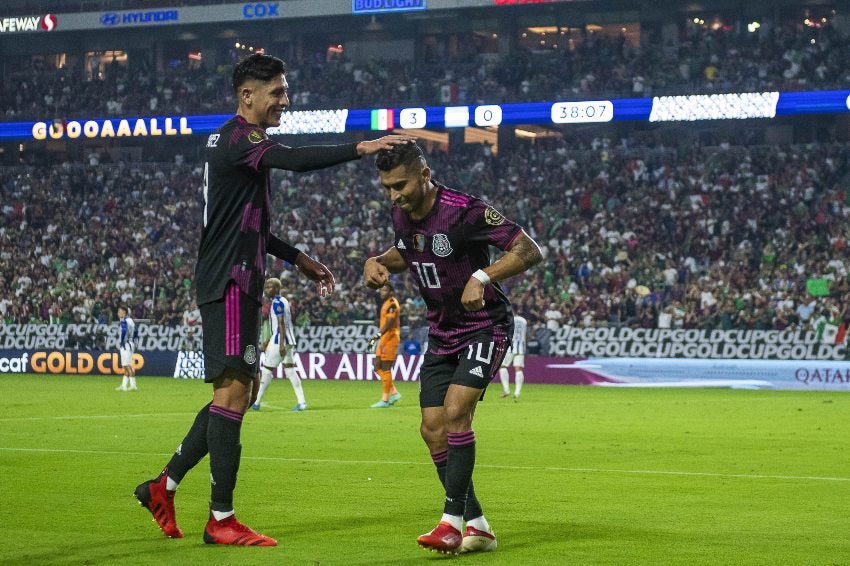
<point x="634" y="233"/>
<point x="703" y="61"/>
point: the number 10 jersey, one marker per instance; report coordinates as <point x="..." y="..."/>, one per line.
<point x="442" y="251"/>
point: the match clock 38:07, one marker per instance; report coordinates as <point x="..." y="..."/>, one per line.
<point x="582" y="112"/>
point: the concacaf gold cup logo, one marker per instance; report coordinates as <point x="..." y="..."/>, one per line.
<point x="256" y="136"/>
<point x="493" y="217"/>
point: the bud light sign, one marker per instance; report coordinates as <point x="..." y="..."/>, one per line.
<point x="378" y="6"/>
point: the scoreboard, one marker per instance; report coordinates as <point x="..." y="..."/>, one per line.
<point x="729" y="106"/>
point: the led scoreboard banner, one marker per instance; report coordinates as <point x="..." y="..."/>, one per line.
<point x="729" y="106"/>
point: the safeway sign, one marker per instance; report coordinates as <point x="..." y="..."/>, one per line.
<point x="47" y="22"/>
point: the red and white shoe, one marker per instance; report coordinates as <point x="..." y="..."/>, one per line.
<point x="475" y="540"/>
<point x="159" y="501"/>
<point x="444" y="539"/>
<point x="231" y="531"/>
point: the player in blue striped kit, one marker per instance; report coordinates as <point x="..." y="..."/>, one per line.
<point x="516" y="358"/>
<point x="280" y="347"/>
<point x="127" y="346"/>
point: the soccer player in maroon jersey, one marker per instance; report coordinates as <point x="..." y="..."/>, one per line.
<point x="443" y="238"/>
<point x="229" y="277"/>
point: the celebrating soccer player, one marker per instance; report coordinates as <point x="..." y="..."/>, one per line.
<point x="229" y="277"/>
<point x="443" y="237"/>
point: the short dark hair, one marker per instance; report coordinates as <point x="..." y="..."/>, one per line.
<point x="259" y="66"/>
<point x="407" y="154"/>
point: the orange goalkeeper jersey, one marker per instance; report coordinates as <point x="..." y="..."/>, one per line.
<point x="391" y="310"/>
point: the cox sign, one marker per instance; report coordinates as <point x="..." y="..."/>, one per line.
<point x="260" y="10"/>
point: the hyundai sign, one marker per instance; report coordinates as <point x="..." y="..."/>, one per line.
<point x="138" y="18"/>
<point x="380" y="6"/>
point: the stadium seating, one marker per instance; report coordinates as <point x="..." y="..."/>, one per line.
<point x="706" y="61"/>
<point x="634" y="233"/>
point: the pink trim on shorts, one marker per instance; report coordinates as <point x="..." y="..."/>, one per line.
<point x="232" y="338"/>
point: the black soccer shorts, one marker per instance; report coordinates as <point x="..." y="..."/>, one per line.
<point x="231" y="329"/>
<point x="474" y="366"/>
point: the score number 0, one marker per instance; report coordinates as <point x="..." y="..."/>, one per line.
<point x="587" y="111"/>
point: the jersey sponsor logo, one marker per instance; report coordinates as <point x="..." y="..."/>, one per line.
<point x="256" y="136"/>
<point x="400" y="245"/>
<point x="441" y="246"/>
<point x="419" y="242"/>
<point x="212" y="141"/>
<point x="477" y="371"/>
<point x="493" y="217"/>
<point x="250" y="354"/>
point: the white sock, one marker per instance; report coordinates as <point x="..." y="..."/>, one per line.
<point x="519" y="378"/>
<point x="293" y="378"/>
<point x="125" y="381"/>
<point x="454" y="520"/>
<point x="222" y="515"/>
<point x="132" y="382"/>
<point x="480" y="523"/>
<point x="503" y="375"/>
<point x="265" y="379"/>
<point x="170" y="484"/>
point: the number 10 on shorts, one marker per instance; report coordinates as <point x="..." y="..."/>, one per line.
<point x="477" y="350"/>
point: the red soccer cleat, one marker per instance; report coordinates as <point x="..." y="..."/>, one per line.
<point x="444" y="539"/>
<point x="160" y="502"/>
<point x="476" y="540"/>
<point x="231" y="531"/>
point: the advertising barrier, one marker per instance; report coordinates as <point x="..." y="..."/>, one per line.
<point x="96" y="362"/>
<point x="161" y="338"/>
<point x="608" y="372"/>
<point x="695" y="344"/>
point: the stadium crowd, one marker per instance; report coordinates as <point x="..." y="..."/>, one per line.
<point x="704" y="60"/>
<point x="634" y="233"/>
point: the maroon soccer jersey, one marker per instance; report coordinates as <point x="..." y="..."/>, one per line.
<point x="443" y="250"/>
<point x="236" y="203"/>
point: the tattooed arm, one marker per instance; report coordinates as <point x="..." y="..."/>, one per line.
<point x="523" y="254"/>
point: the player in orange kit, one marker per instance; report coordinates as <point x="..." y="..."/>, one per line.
<point x="389" y="336"/>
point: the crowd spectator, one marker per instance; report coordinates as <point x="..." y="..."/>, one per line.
<point x="705" y="60"/>
<point x="634" y="234"/>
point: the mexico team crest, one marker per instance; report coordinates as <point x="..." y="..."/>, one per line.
<point x="250" y="354"/>
<point x="440" y="245"/>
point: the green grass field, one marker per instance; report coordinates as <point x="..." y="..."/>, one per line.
<point x="569" y="475"/>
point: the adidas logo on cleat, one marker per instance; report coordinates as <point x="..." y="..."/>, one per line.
<point x="477" y="371"/>
<point x="400" y="245"/>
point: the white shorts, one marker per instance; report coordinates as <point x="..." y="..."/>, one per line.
<point x="517" y="360"/>
<point x="127" y="355"/>
<point x="272" y="358"/>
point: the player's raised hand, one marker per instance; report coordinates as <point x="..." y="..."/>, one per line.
<point x="375" y="275"/>
<point x="318" y="272"/>
<point x="386" y="142"/>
